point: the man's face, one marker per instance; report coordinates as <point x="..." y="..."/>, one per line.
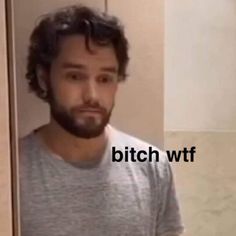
<point x="82" y="87"/>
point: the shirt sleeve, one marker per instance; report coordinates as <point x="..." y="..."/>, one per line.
<point x="169" y="220"/>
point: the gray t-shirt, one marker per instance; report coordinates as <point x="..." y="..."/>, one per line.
<point x="107" y="199"/>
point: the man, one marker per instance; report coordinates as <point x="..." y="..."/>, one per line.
<point x="69" y="183"/>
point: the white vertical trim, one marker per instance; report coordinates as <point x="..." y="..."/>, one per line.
<point x="13" y="117"/>
<point x="5" y="163"/>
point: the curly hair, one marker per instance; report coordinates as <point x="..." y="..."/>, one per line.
<point x="99" y="27"/>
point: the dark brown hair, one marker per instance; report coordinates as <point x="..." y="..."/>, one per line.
<point x="99" y="27"/>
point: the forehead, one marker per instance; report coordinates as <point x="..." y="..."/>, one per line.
<point x="73" y="49"/>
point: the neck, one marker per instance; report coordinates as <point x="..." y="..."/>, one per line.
<point x="70" y="147"/>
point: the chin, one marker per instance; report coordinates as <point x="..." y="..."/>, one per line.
<point x="88" y="134"/>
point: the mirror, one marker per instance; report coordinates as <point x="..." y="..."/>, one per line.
<point x="145" y="81"/>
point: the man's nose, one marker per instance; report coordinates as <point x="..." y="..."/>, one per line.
<point x="90" y="91"/>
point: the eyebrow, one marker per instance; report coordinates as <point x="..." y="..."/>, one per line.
<point x="73" y="65"/>
<point x="70" y="65"/>
<point x="111" y="69"/>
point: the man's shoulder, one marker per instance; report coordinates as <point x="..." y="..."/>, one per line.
<point x="27" y="143"/>
<point x="26" y="139"/>
<point x="121" y="138"/>
<point x="124" y="140"/>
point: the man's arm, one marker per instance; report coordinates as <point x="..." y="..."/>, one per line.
<point x="169" y="220"/>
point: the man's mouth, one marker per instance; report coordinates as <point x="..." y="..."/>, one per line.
<point x="90" y="111"/>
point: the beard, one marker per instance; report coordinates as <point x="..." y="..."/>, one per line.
<point x="77" y="123"/>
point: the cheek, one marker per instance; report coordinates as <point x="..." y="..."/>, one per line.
<point x="64" y="94"/>
<point x="61" y="90"/>
<point x="109" y="97"/>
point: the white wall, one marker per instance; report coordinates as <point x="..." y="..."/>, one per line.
<point x="200" y="65"/>
<point x="200" y="110"/>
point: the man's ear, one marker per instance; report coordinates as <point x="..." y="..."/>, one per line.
<point x="42" y="77"/>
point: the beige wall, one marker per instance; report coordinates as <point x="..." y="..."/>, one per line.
<point x="200" y="110"/>
<point x="5" y="173"/>
<point x="139" y="108"/>
<point x="140" y="101"/>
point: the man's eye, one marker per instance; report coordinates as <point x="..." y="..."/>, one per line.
<point x="75" y="76"/>
<point x="106" y="79"/>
